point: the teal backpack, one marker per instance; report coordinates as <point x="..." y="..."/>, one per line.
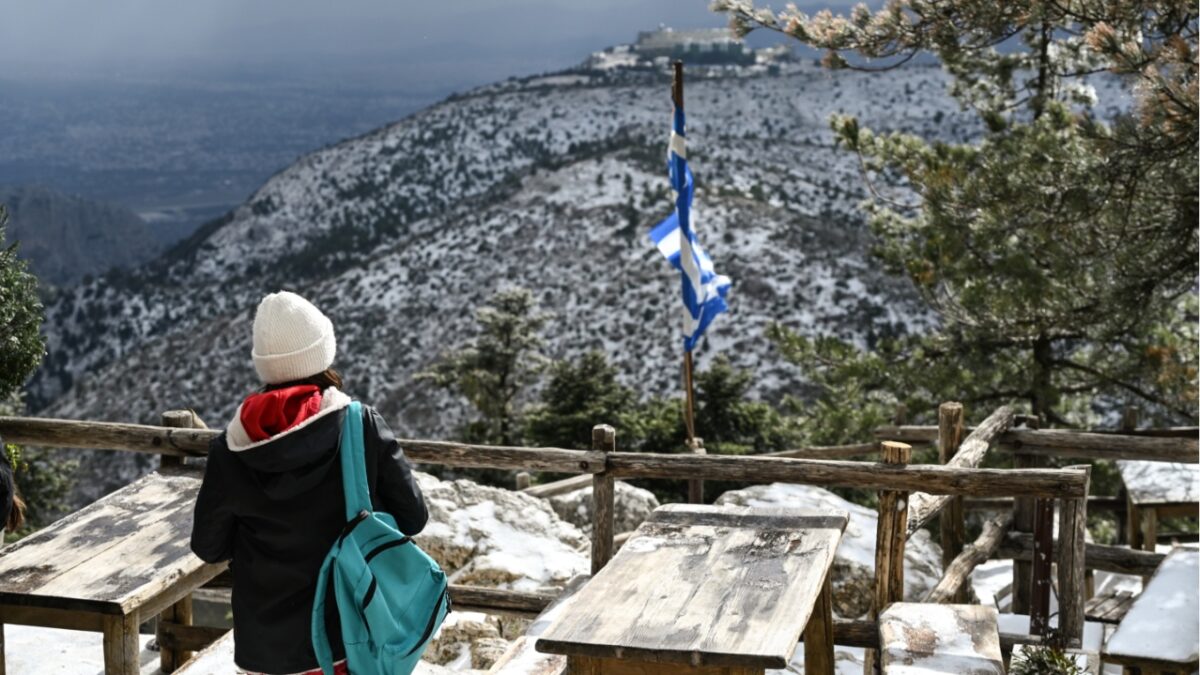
<point x="391" y="596"/>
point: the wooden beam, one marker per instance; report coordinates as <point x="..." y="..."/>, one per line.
<point x="1019" y="546"/>
<point x="828" y="451"/>
<point x="890" y="536"/>
<point x="1072" y="576"/>
<point x="496" y="599"/>
<point x="1039" y="579"/>
<point x="183" y="638"/>
<point x="925" y="505"/>
<point x="559" y="487"/>
<point x="952" y="521"/>
<point x="865" y="633"/>
<point x="932" y="479"/>
<point x="953" y="583"/>
<point x="1163" y="445"/>
<point x="1096" y="503"/>
<point x="604" y="440"/>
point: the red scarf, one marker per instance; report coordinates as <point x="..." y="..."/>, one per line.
<point x="273" y="412"/>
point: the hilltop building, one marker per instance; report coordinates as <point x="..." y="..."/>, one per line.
<point x="708" y="45"/>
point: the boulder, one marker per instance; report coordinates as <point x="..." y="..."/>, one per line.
<point x="854" y="566"/>
<point x="488" y="536"/>
<point x="632" y="506"/>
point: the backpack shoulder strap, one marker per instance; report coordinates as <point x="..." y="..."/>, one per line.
<point x="354" y="465"/>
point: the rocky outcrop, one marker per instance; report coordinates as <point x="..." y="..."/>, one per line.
<point x="854" y="567"/>
<point x="632" y="506"/>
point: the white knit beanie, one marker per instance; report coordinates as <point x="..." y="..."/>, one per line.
<point x="292" y="339"/>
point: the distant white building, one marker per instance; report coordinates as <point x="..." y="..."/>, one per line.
<point x="706" y="45"/>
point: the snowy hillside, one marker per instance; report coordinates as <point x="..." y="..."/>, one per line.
<point x="549" y="182"/>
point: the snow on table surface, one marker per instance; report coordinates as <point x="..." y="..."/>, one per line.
<point x="924" y="639"/>
<point x="1160" y="482"/>
<point x="1164" y="622"/>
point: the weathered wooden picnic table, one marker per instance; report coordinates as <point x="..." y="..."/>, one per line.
<point x="707" y="590"/>
<point x="1157" y="490"/>
<point x="110" y="566"/>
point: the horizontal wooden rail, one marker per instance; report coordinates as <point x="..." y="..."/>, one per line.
<point x="865" y="633"/>
<point x="559" y="487"/>
<point x="866" y="475"/>
<point x="829" y="452"/>
<point x="1094" y="503"/>
<point x="1079" y="444"/>
<point x="499" y="601"/>
<point x="1019" y="546"/>
<point x="194" y="443"/>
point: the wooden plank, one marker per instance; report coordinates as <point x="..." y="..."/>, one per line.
<point x="559" y="487"/>
<point x="865" y="634"/>
<point x="110" y="555"/>
<point x="931" y="479"/>
<point x="1024" y="511"/>
<point x="1019" y="546"/>
<point x="925" y="503"/>
<point x="1072" y="576"/>
<point x="1110" y="607"/>
<point x="184" y="639"/>
<point x="1165" y="446"/>
<point x="705" y="586"/>
<point x="923" y="639"/>
<point x="1157" y="483"/>
<point x="952" y="521"/>
<point x="954" y="580"/>
<point x="604" y="440"/>
<point x="51" y="618"/>
<point x="818" y="634"/>
<point x="586" y="665"/>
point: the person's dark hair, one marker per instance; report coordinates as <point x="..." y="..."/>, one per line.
<point x="16" y="517"/>
<point x="324" y="379"/>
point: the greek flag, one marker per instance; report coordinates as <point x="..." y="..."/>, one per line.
<point x="703" y="289"/>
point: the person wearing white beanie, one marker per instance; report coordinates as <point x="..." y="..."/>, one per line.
<point x="292" y="339"/>
<point x="271" y="500"/>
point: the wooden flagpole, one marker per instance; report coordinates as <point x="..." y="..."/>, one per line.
<point x="695" y="487"/>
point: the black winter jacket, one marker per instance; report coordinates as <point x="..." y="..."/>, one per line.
<point x="274" y="509"/>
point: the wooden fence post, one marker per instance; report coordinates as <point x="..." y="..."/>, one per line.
<point x="180" y="612"/>
<point x="890" y="536"/>
<point x="1072" y="530"/>
<point x="1039" y="579"/>
<point x="523" y="480"/>
<point x="695" y="485"/>
<point x="1023" y="519"/>
<point x="179" y="419"/>
<point x="604" y="439"/>
<point x="952" y="521"/>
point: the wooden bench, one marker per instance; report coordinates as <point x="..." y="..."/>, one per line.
<point x="1109" y="607"/>
<point x="110" y="566"/>
<point x="1157" y="490"/>
<point x="1161" y="631"/>
<point x="707" y="590"/>
<point x="924" y="639"/>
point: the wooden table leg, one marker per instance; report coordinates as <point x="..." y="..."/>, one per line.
<point x="121" y="645"/>
<point x="1149" y="529"/>
<point x="1133" y="525"/>
<point x="179" y="613"/>
<point x="818" y="634"/>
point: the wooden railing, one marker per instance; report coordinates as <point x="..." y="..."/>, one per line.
<point x="918" y="492"/>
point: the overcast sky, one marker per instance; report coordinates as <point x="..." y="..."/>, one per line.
<point x="448" y="41"/>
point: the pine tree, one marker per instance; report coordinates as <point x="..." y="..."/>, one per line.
<point x="492" y="370"/>
<point x="21" y="318"/>
<point x="578" y="396"/>
<point x="1058" y="249"/>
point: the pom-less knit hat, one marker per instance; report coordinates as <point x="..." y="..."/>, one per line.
<point x="292" y="339"/>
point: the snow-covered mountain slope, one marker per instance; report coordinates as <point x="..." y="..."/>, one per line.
<point x="550" y="183"/>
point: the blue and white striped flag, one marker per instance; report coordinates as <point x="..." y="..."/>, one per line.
<point x="703" y="289"/>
